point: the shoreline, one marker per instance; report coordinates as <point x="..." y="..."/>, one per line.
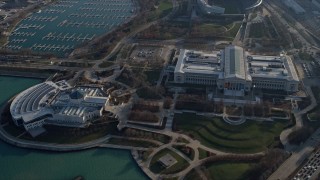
<point x="8" y="138"/>
<point x="62" y="148"/>
<point x="24" y="74"/>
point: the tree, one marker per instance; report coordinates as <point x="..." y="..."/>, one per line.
<point x="258" y="110"/>
<point x="300" y="135"/>
<point x="167" y="103"/>
<point x="247" y="109"/>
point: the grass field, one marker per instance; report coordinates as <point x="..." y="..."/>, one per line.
<point x="212" y="30"/>
<point x="214" y="132"/>
<point x="157" y="168"/>
<point x="234" y="30"/>
<point x="164" y="8"/>
<point x="192" y="175"/>
<point x="305" y="56"/>
<point x="202" y="153"/>
<point x="228" y="171"/>
<point x="210" y="27"/>
<point x="257" y="30"/>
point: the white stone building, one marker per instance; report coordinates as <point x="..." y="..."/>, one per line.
<point x="236" y="71"/>
<point x="57" y="104"/>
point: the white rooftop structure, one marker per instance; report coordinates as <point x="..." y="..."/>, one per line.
<point x="57" y="103"/>
<point x="234" y="62"/>
<point x="236" y="70"/>
<point x="272" y="67"/>
<point x="198" y="62"/>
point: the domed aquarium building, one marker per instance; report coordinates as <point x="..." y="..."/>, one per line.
<point x="57" y="103"/>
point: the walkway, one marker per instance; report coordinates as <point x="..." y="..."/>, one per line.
<point x="299" y="122"/>
<point x="194" y="144"/>
<point x="300" y="153"/>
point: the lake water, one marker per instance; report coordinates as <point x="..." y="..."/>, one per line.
<point x="95" y="164"/>
<point x="61" y="26"/>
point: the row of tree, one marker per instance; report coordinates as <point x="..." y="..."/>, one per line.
<point x="142" y="105"/>
<point x="143" y="116"/>
<point x="268" y="164"/>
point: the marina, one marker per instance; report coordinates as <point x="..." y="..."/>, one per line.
<point x="65" y="24"/>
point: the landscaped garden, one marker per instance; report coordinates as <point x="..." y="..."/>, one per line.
<point x="305" y="56"/>
<point x="204" y="154"/>
<point x="162" y="9"/>
<point x="215" y="30"/>
<point x="156" y="167"/>
<point x="234" y="171"/>
<point x="249" y="137"/>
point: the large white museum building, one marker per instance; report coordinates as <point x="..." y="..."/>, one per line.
<point x="235" y="71"/>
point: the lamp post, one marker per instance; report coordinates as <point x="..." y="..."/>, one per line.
<point x="252" y="91"/>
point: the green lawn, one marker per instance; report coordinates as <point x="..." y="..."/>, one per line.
<point x="209" y="27"/>
<point x="257" y="30"/>
<point x="202" y="153"/>
<point x="234" y="30"/>
<point x="192" y="175"/>
<point x="305" y="56"/>
<point x="157" y="168"/>
<point x="213" y="29"/>
<point x="228" y="171"/>
<point x="214" y="132"/>
<point x="164" y="8"/>
<point x="314" y="114"/>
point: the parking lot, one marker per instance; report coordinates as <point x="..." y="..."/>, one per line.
<point x="311" y="169"/>
<point x="307" y="70"/>
<point x="143" y="53"/>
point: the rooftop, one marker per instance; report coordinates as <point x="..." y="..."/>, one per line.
<point x="49" y="98"/>
<point x="234" y="62"/>
<point x="198" y="62"/>
<point x="168" y="160"/>
<point x="279" y="67"/>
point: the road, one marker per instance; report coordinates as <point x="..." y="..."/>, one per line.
<point x="276" y="11"/>
<point x="297" y="158"/>
<point x="129" y="37"/>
